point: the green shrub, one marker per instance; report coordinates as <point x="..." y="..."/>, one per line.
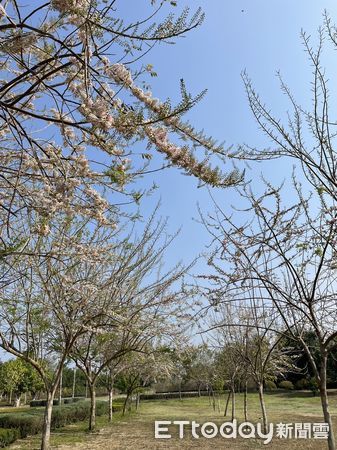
<point x="8" y="436"/>
<point x="303" y="383"/>
<point x="286" y="385"/>
<point x="56" y="402"/>
<point x="313" y="386"/>
<point x="171" y="395"/>
<point x="31" y="422"/>
<point x="270" y="385"/>
<point x="65" y="415"/>
<point x="25" y="423"/>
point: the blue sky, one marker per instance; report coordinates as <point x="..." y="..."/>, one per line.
<point x="257" y="35"/>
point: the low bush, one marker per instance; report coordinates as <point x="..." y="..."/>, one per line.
<point x="303" y="383"/>
<point x="56" y="402"/>
<point x="169" y="395"/>
<point x="31" y="422"/>
<point x="270" y="385"/>
<point x="8" y="436"/>
<point x="25" y="423"/>
<point x="286" y="385"/>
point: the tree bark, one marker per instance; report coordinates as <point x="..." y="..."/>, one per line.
<point x="125" y="403"/>
<point x="325" y="403"/>
<point x="60" y="388"/>
<point x="45" y="443"/>
<point x="245" y="405"/>
<point x="263" y="407"/>
<point x="233" y="403"/>
<point x="74" y="383"/>
<point x="213" y="400"/>
<point x="110" y="404"/>
<point x="17" y="400"/>
<point x="92" y="418"/>
<point x="227" y="403"/>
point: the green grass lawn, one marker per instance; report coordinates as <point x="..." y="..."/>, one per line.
<point x="136" y="429"/>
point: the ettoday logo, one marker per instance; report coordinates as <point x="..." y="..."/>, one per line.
<point x="245" y="430"/>
<point x="209" y="430"/>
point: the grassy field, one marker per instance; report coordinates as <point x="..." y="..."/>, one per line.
<point x="136" y="430"/>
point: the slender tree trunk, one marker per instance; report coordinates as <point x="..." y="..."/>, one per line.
<point x="263" y="407"/>
<point x="60" y="388"/>
<point x="17" y="400"/>
<point x="213" y="400"/>
<point x="74" y="384"/>
<point x="45" y="443"/>
<point x="137" y="400"/>
<point x="325" y="403"/>
<point x="110" y="404"/>
<point x="10" y="397"/>
<point x="245" y="406"/>
<point x="209" y="395"/>
<point x="199" y="390"/>
<point x="180" y="390"/>
<point x="92" y="418"/>
<point x="227" y="403"/>
<point x="126" y="402"/>
<point x="233" y="403"/>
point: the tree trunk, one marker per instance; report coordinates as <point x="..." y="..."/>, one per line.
<point x="227" y="403"/>
<point x="74" y="384"/>
<point x="110" y="404"/>
<point x="60" y="388"/>
<point x="137" y="400"/>
<point x="245" y="406"/>
<point x="45" y="444"/>
<point x="233" y="403"/>
<point x="125" y="403"/>
<point x="92" y="418"/>
<point x="213" y="400"/>
<point x="263" y="408"/>
<point x="10" y="397"/>
<point x="17" y="400"/>
<point x="199" y="390"/>
<point x="325" y="404"/>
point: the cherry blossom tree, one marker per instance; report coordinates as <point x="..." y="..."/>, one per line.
<point x="74" y="109"/>
<point x="54" y="300"/>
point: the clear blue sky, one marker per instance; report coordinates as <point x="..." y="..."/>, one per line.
<point x="257" y="35"/>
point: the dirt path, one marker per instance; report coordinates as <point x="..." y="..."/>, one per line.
<point x="139" y="436"/>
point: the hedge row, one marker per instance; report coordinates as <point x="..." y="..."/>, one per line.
<point x="8" y="436"/>
<point x="65" y="401"/>
<point x="169" y="395"/>
<point x="29" y="423"/>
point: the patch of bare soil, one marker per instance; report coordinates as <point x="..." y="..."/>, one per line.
<point x="139" y="436"/>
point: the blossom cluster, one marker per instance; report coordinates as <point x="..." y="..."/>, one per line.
<point x="71" y="6"/>
<point x="180" y="156"/>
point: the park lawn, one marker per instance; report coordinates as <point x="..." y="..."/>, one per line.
<point x="136" y="430"/>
